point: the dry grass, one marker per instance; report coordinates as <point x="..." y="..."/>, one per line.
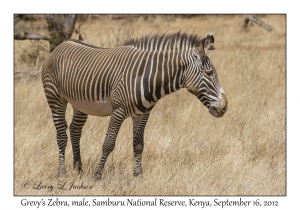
<point x="187" y="151"/>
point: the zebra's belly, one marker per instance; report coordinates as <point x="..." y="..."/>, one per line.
<point x="96" y="108"/>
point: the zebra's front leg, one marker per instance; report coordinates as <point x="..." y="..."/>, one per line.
<point x="76" y="126"/>
<point x="115" y="123"/>
<point x="139" y="125"/>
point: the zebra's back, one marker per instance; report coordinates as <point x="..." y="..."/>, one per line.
<point x="84" y="75"/>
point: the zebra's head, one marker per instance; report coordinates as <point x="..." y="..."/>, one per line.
<point x="201" y="78"/>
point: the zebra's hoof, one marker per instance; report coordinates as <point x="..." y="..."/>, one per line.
<point x="78" y="166"/>
<point x="137" y="173"/>
<point x="61" y="171"/>
<point x="61" y="174"/>
<point x="80" y="173"/>
<point x="97" y="177"/>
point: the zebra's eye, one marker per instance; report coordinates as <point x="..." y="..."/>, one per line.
<point x="209" y="73"/>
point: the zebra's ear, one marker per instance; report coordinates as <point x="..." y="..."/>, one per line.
<point x="200" y="48"/>
<point x="206" y="44"/>
<point x="209" y="42"/>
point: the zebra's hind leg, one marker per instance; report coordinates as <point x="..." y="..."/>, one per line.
<point x="76" y="126"/>
<point x="58" y="107"/>
<point x="115" y="123"/>
<point x="139" y="125"/>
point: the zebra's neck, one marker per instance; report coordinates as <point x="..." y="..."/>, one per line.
<point x="158" y="74"/>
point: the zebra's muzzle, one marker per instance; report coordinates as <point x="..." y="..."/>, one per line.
<point x="219" y="111"/>
<point x="214" y="112"/>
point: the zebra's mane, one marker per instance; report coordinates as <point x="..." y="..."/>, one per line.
<point x="165" y="41"/>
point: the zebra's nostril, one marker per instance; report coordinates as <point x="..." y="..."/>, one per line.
<point x="224" y="108"/>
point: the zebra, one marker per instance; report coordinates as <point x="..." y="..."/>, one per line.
<point x="123" y="82"/>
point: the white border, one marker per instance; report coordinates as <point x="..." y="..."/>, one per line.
<point x="155" y="6"/>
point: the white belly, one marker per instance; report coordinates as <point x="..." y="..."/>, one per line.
<point x="96" y="108"/>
